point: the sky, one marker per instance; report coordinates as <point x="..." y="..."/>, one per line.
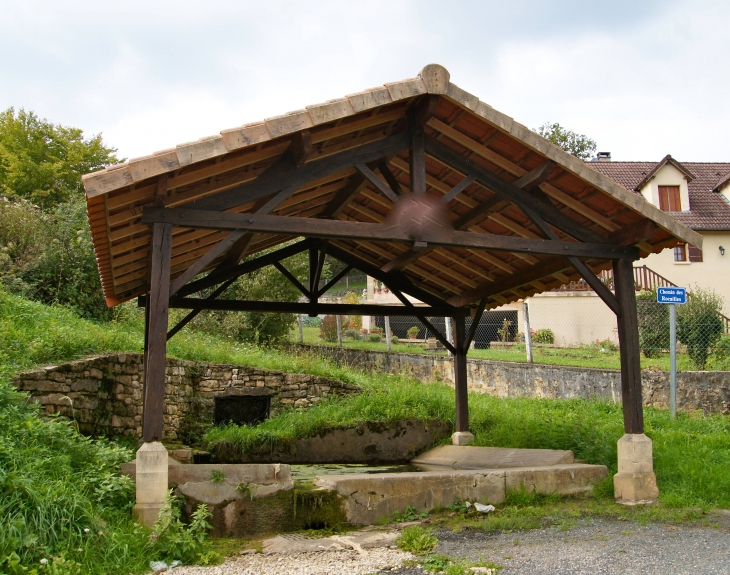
<point x="643" y="78"/>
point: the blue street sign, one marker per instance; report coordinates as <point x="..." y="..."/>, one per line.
<point x="671" y="295"/>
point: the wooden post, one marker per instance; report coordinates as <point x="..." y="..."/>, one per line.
<point x="338" y="319"/>
<point x="628" y="339"/>
<point x="156" y="344"/>
<point x="388" y="340"/>
<point x="528" y="333"/>
<point x="462" y="400"/>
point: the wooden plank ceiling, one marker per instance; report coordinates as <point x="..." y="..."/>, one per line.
<point x="490" y="140"/>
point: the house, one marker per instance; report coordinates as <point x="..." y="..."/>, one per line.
<point x="697" y="194"/>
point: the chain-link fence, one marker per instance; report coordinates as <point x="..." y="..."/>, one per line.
<point x="566" y="327"/>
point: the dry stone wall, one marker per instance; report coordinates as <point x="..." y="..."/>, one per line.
<point x="706" y="391"/>
<point x="105" y="395"/>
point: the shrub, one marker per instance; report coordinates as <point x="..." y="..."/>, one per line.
<point x="374" y="337"/>
<point x="353" y="333"/>
<point x="653" y="319"/>
<point x="413" y="332"/>
<point x="394" y="340"/>
<point x="699" y="325"/>
<point x="415" y="539"/>
<point x="544" y="335"/>
<point x="328" y="327"/>
<point x="355" y="321"/>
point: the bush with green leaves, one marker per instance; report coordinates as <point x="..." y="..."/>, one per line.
<point x="699" y="325"/>
<point x="353" y="333"/>
<point x="413" y="332"/>
<point x="328" y="327"/>
<point x="544" y="335"/>
<point x="653" y="319"/>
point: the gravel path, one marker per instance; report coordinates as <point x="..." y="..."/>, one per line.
<point x="595" y="547"/>
<point x="591" y="547"/>
<point x="342" y="562"/>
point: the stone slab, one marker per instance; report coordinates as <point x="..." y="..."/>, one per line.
<point x="366" y="499"/>
<point x="360" y="541"/>
<point x="470" y="457"/>
<point x="233" y="473"/>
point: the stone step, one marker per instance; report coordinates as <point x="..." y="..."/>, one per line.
<point x="470" y="457"/>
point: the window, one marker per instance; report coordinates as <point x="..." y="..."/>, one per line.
<point x="695" y="254"/>
<point x="680" y="253"/>
<point x="669" y="199"/>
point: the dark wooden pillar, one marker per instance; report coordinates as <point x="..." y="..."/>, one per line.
<point x="156" y="332"/>
<point x="628" y="339"/>
<point x="462" y="399"/>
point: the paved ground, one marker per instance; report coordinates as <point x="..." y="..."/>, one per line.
<point x="596" y="547"/>
<point x="590" y="547"/>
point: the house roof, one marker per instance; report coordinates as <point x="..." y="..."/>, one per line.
<point x="709" y="210"/>
<point x="466" y="130"/>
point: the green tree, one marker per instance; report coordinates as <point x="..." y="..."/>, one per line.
<point x="699" y="325"/>
<point x="43" y="162"/>
<point x="581" y="146"/>
<point x="266" y="284"/>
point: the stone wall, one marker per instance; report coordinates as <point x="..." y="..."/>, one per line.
<point x="105" y="394"/>
<point x="708" y="391"/>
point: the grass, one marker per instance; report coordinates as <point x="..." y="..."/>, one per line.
<point x="592" y="356"/>
<point x="55" y="484"/>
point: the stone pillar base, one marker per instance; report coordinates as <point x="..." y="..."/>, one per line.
<point x="462" y="438"/>
<point x="151" y="482"/>
<point x="635" y="482"/>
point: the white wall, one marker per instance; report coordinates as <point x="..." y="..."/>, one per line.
<point x="667" y="175"/>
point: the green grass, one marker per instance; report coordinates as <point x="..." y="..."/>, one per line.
<point x="55" y="484"/>
<point x="585" y="356"/>
<point x="692" y="453"/>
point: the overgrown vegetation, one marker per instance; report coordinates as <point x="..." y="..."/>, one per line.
<point x="699" y="325"/>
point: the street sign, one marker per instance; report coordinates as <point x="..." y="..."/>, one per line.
<point x="671" y="295"/>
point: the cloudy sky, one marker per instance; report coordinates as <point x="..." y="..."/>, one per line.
<point x="643" y="78"/>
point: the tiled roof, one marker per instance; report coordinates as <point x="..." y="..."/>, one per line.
<point x="709" y="210"/>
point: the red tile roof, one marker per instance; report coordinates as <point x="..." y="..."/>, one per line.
<point x="709" y="210"/>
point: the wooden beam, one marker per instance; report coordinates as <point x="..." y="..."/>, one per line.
<point x="510" y="192"/>
<point x="475" y="325"/>
<point x="430" y="327"/>
<point x="317" y="228"/>
<point x="204" y="261"/>
<point x="300" y="148"/>
<point x="294" y="281"/>
<point x="155" y="354"/>
<point x="304" y="308"/>
<point x="284" y="174"/>
<point x="535" y="177"/>
<point x="390" y="178"/>
<point x="628" y="340"/>
<point x="219" y="276"/>
<point x="524" y="277"/>
<point x="191" y="316"/>
<point x="418" y="115"/>
<point x="377" y="182"/>
<point x="634" y="234"/>
<point x="342" y="273"/>
<point x="349" y="191"/>
<point x="458" y="188"/>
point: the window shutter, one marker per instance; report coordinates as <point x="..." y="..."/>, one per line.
<point x="669" y="199"/>
<point x="695" y="254"/>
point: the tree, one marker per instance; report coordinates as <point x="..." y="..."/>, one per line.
<point x="581" y="146"/>
<point x="43" y="162"/>
<point x="699" y="325"/>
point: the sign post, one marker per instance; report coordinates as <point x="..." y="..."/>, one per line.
<point x="672" y="296"/>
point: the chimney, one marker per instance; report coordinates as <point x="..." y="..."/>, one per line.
<point x="603" y="157"/>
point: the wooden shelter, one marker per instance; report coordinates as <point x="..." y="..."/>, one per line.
<point x="416" y="183"/>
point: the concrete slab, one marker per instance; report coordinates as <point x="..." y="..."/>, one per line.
<point x="470" y="457"/>
<point x="233" y="473"/>
<point x="366" y="499"/>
